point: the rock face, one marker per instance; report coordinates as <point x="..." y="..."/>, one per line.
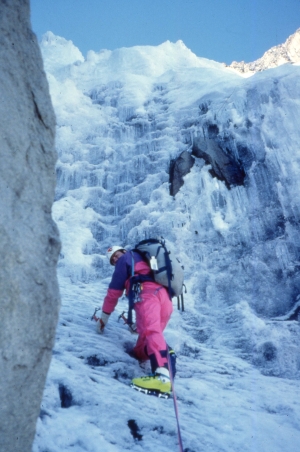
<point x="288" y="52"/>
<point x="218" y="153"/>
<point x="179" y="168"/>
<point x="224" y="165"/>
<point x="29" y="241"/>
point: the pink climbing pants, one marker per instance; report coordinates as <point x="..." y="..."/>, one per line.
<point x="152" y="315"/>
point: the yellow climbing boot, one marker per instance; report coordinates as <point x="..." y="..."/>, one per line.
<point x="158" y="384"/>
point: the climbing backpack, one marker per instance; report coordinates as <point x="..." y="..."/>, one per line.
<point x="166" y="268"/>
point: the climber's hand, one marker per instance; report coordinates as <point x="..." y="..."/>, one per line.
<point x="100" y="325"/>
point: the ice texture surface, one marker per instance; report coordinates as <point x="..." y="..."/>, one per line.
<point x="123" y="118"/>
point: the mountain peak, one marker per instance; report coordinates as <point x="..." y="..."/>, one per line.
<point x="288" y="52"/>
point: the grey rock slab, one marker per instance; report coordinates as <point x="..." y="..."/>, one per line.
<point x="29" y="239"/>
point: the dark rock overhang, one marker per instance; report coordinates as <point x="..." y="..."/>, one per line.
<point x="228" y="159"/>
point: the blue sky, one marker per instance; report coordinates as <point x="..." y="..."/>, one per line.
<point x="221" y="30"/>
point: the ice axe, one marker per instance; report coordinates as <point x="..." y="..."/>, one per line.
<point x="131" y="327"/>
<point x="94" y="317"/>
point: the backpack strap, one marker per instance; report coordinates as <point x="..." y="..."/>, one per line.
<point x="168" y="267"/>
<point x="132" y="264"/>
<point x="131" y="294"/>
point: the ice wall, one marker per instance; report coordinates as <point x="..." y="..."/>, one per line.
<point x="124" y="117"/>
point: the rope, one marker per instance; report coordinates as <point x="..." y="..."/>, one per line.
<point x="175" y="403"/>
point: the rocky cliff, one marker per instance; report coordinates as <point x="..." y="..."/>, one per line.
<point x="29" y="241"/>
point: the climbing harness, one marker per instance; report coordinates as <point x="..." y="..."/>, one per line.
<point x="135" y="288"/>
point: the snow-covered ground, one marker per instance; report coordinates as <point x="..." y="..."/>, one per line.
<point x="122" y="117"/>
<point x="225" y="403"/>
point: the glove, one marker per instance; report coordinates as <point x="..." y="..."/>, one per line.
<point x="100" y="325"/>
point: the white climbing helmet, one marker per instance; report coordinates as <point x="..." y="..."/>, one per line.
<point x="112" y="250"/>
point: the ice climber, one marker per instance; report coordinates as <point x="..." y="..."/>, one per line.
<point x="153" y="309"/>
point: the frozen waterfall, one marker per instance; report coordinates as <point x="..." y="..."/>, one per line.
<point x="124" y="118"/>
